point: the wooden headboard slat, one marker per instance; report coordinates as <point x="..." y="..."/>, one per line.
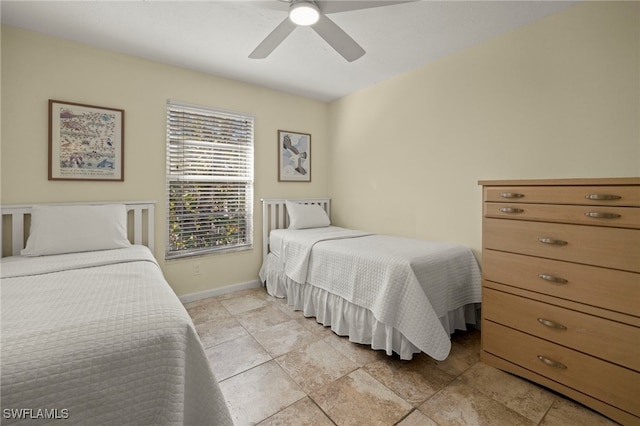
<point x="137" y="226"/>
<point x="17" y="233"/>
<point x="274" y="215"/>
<point x="18" y="213"/>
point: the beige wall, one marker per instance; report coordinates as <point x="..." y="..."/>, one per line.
<point x="557" y="98"/>
<point x="36" y="68"/>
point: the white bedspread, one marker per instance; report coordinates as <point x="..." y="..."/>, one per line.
<point x="100" y="338"/>
<point x="407" y="284"/>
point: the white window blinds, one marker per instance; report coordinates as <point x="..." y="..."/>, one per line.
<point x="209" y="180"/>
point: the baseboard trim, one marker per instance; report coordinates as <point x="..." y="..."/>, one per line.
<point x="192" y="297"/>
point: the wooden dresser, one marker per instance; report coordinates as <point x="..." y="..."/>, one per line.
<point x="561" y="287"/>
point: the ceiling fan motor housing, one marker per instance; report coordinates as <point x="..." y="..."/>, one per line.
<point x="303" y="12"/>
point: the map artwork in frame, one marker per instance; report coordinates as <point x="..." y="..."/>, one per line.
<point x="86" y="142"/>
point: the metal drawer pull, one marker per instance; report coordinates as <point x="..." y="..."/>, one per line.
<point x="553" y="242"/>
<point x="511" y="210"/>
<point x="511" y="195"/>
<point x="552" y="363"/>
<point x="602" y="197"/>
<point x="553" y="279"/>
<point x="602" y="215"/>
<point x="551" y="324"/>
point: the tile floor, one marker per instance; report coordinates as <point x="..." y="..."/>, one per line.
<point x="276" y="367"/>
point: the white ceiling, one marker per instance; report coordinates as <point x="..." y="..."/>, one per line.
<point x="216" y="37"/>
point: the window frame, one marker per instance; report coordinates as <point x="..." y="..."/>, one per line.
<point x="233" y="147"/>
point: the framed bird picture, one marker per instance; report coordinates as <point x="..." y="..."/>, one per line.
<point x="294" y="156"/>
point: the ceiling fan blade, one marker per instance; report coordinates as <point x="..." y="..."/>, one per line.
<point x="338" y="39"/>
<point x="273" y="40"/>
<point x="334" y="6"/>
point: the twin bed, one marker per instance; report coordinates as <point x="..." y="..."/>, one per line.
<point x="396" y="294"/>
<point x="93" y="334"/>
<point x="91" y="331"/>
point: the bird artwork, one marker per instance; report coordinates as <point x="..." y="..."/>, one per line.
<point x="296" y="158"/>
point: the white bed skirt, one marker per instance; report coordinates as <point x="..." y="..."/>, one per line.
<point x="347" y="319"/>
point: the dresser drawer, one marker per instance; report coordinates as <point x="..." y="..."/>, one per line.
<point x="588" y="195"/>
<point x="609" y="340"/>
<point x="607" y="288"/>
<point x="615" y="248"/>
<point x="620" y="217"/>
<point x="602" y="380"/>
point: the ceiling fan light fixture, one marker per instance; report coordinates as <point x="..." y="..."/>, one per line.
<point x="304" y="13"/>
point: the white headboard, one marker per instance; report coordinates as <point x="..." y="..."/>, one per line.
<point x="16" y="219"/>
<point x="274" y="215"/>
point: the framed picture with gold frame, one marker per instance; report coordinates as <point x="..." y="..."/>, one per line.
<point x="294" y="156"/>
<point x="86" y="142"/>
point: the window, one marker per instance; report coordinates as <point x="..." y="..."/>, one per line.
<point x="209" y="180"/>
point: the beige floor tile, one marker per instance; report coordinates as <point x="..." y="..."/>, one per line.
<point x="314" y="327"/>
<point x="221" y="330"/>
<point x="205" y="312"/>
<point x="240" y="303"/>
<point x="286" y="308"/>
<point x="315" y="365"/>
<point x="522" y="396"/>
<point x="566" y="412"/>
<point x="460" y="404"/>
<point x="359" y="399"/>
<point x="465" y="352"/>
<point x="258" y="393"/>
<point x="414" y="380"/>
<point x="360" y="354"/>
<point x="302" y="413"/>
<point x="263" y="317"/>
<point x="417" y="418"/>
<point x="282" y="338"/>
<point x="235" y="356"/>
<point x="254" y="292"/>
<point x="189" y="305"/>
<point x="382" y="391"/>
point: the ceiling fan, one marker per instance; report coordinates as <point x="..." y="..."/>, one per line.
<point x="314" y="13"/>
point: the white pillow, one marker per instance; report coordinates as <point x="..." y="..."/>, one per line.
<point x="303" y="216"/>
<point x="70" y="229"/>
